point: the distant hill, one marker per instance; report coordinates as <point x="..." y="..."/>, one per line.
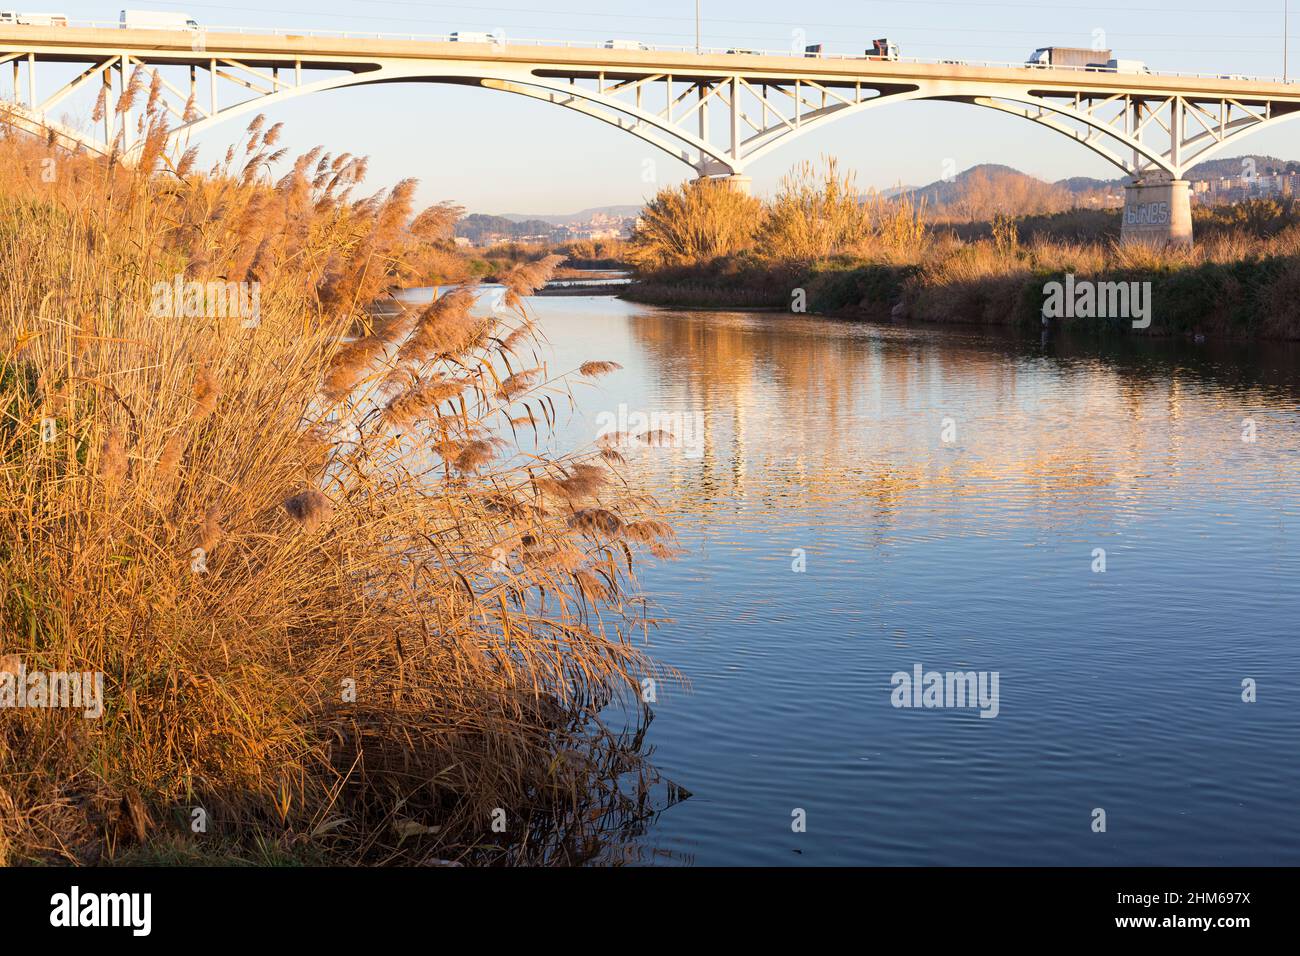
<point x="476" y="227"/>
<point x="585" y="215"/>
<point x="1087" y="184"/>
<point x="982" y="191"/>
<point x="986" y="190"/>
<point x="1234" y="166"/>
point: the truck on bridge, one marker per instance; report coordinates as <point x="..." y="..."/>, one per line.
<point x="880" y="50"/>
<point x="156" y="20"/>
<point x="883" y="49"/>
<point x="477" y="36"/>
<point x="1069" y="56"/>
<point x="12" y="17"/>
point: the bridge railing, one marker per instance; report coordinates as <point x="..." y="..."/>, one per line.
<point x="711" y="51"/>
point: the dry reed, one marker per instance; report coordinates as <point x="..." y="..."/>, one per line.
<point x="375" y="651"/>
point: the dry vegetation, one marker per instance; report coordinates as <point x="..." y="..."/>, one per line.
<point x="595" y="252"/>
<point x="238" y="524"/>
<point x="860" y="252"/>
<point x="814" y="214"/>
<point x="983" y="193"/>
<point x="581" y="258"/>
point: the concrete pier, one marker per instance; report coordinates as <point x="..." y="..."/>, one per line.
<point x="1157" y="213"/>
<point x="741" y="184"/>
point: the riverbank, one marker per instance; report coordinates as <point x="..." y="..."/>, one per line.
<point x="819" y="246"/>
<point x="570" y="281"/>
<point x="1256" y="296"/>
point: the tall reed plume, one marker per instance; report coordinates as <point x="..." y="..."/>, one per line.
<point x="403" y="618"/>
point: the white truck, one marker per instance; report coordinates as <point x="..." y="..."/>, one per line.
<point x="625" y="45"/>
<point x="1120" y="66"/>
<point x="883" y="49"/>
<point x="156" y="20"/>
<point x="470" y="36"/>
<point x="13" y="18"/>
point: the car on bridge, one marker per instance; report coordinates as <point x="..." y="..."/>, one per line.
<point x="625" y="45"/>
<point x="1120" y="66"/>
<point x="471" y="36"/>
<point x="12" y="17"/>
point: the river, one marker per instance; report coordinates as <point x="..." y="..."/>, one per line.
<point x="1111" y="528"/>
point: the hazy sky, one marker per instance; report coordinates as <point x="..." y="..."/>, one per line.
<point x="494" y="152"/>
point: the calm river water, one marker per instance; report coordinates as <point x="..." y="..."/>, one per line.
<point x="1118" y="690"/>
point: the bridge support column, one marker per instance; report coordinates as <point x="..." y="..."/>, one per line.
<point x="741" y="184"/>
<point x="1157" y="214"/>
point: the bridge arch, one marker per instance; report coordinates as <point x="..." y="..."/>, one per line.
<point x="1154" y="127"/>
<point x="1117" y="138"/>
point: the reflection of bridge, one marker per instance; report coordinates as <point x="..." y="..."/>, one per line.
<point x="715" y="111"/>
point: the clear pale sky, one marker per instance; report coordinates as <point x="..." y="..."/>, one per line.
<point x="497" y="153"/>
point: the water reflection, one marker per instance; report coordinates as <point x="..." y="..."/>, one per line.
<point x="838" y="412"/>
<point x="1120" y="689"/>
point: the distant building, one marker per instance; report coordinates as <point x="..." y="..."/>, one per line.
<point x="1271" y="183"/>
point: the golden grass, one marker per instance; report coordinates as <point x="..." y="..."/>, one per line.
<point x="341" y="602"/>
<point x="699" y="220"/>
<point x="817" y="212"/>
<point x="814" y="214"/>
<point x="864" y="253"/>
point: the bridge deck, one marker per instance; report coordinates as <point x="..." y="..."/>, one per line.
<point x="81" y="44"/>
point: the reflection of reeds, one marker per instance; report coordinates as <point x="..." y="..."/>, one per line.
<point x="373" y="655"/>
<point x="603" y="823"/>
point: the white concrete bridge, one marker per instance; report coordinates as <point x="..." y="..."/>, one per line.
<point x="717" y="111"/>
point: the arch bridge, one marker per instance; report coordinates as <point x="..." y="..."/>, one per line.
<point x="718" y="111"/>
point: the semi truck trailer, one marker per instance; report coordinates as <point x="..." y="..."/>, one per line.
<point x="156" y="20"/>
<point x="1068" y="56"/>
<point x="8" y="17"/>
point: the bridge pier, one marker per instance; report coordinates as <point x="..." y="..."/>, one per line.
<point x="741" y="184"/>
<point x="1157" y="213"/>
